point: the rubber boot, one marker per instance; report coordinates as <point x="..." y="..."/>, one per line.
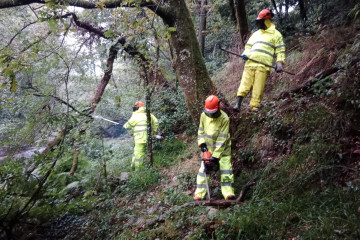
<point x="239" y="99"/>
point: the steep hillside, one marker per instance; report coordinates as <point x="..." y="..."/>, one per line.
<point x="304" y="146"/>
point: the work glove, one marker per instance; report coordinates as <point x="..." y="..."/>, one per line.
<point x="279" y="67"/>
<point x="203" y="147"/>
<point x="245" y="57"/>
<point x="159" y="136"/>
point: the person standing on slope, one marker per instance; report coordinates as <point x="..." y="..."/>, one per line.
<point x="214" y="137"/>
<point x="263" y="45"/>
<point x="138" y="123"/>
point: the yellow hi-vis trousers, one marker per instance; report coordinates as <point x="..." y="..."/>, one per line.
<point x="227" y="179"/>
<point x="254" y="77"/>
<point x="139" y="155"/>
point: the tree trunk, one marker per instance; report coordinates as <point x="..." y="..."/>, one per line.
<point x="202" y="26"/>
<point x="188" y="62"/>
<point x="302" y="10"/>
<point x="278" y="11"/>
<point x="75" y="159"/>
<point x="241" y="19"/>
<point x="149" y="129"/>
<point x="232" y="11"/>
<point x="287" y="8"/>
<point x="107" y="75"/>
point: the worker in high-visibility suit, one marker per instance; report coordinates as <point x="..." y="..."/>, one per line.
<point x="138" y="123"/>
<point x="262" y="46"/>
<point x="214" y="136"/>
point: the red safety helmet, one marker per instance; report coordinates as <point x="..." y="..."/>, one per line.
<point x="265" y="14"/>
<point x="212" y="104"/>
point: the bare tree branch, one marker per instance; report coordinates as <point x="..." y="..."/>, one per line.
<point x="77" y="3"/>
<point x="60" y="101"/>
<point x="12" y="39"/>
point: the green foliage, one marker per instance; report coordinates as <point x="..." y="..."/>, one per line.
<point x="141" y="180"/>
<point x="166" y="153"/>
<point x="327" y="215"/>
<point x="355" y="12"/>
<point x="315" y="122"/>
<point x="322" y="88"/>
<point x="170" y="109"/>
<point x="175" y="196"/>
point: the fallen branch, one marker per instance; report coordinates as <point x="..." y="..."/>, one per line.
<point x="245" y="188"/>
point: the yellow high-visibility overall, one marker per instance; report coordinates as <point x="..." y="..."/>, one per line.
<point x="215" y="133"/>
<point x="138" y="124"/>
<point x="261" y="46"/>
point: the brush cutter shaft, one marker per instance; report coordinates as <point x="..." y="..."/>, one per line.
<point x="255" y="61"/>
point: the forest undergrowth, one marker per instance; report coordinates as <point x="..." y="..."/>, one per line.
<point x="304" y="146"/>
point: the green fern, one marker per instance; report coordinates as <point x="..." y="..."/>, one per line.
<point x="355" y="12"/>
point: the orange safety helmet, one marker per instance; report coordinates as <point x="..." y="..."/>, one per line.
<point x="137" y="105"/>
<point x="212" y="104"/>
<point x="264" y="14"/>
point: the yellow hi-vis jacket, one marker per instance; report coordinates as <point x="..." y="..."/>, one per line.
<point x="263" y="45"/>
<point x="215" y="133"/>
<point x="138" y="124"/>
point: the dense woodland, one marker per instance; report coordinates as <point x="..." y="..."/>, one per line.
<point x="65" y="173"/>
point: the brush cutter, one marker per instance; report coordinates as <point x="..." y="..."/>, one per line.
<point x="105" y="119"/>
<point x="208" y="167"/>
<point x="236" y="54"/>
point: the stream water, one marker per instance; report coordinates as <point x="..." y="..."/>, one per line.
<point x="28" y="153"/>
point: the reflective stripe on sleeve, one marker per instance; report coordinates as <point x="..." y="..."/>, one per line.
<point x="141" y="125"/>
<point x="201" y="129"/>
<point x="210" y="144"/>
<point x="280" y="46"/>
<point x="139" y="160"/>
<point x="217" y="144"/>
<point x="201" y="185"/>
<point x="263" y="51"/>
<point x="223" y="135"/>
<point x="201" y="174"/>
